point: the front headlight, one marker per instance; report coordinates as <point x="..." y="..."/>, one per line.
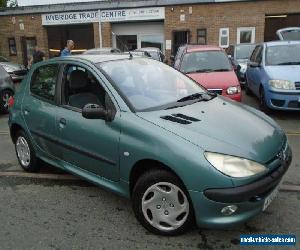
<point x="234" y="166"/>
<point x="282" y="84"/>
<point x="233" y="90"/>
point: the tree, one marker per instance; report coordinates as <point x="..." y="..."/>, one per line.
<point x="3" y="3"/>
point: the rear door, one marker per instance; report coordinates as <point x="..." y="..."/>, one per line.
<point x="39" y="107"/>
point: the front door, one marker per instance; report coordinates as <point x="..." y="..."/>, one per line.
<point x="180" y="38"/>
<point x="88" y="144"/>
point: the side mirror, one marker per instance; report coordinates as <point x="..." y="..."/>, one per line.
<point x="254" y="64"/>
<point x="94" y="111"/>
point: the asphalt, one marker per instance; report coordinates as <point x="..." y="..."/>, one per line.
<point x="54" y="210"/>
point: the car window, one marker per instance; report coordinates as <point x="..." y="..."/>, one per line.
<point x="254" y="53"/>
<point x="244" y="51"/>
<point x="178" y="57"/>
<point x="43" y="83"/>
<point x="291" y="35"/>
<point x="204" y="61"/>
<point x="80" y="87"/>
<point x="259" y="54"/>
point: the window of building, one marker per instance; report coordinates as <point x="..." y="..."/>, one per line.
<point x="201" y="36"/>
<point x="12" y="46"/>
<point x="44" y="80"/>
<point x="224" y="37"/>
<point x="246" y="35"/>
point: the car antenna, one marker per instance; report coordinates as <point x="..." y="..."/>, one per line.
<point x="123" y="44"/>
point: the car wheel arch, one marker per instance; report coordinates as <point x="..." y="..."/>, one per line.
<point x="145" y="165"/>
<point x="14" y="129"/>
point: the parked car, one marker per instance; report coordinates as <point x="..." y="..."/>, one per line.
<point x="147" y="132"/>
<point x="139" y="53"/>
<point x="240" y="54"/>
<point x="155" y="53"/>
<point x="6" y="90"/>
<point x="99" y="51"/>
<point x="16" y="71"/>
<point x="273" y="75"/>
<point x="291" y="34"/>
<point x="210" y="67"/>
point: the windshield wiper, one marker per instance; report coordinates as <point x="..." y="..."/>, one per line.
<point x="289" y="63"/>
<point x="220" y="70"/>
<point x="198" y="96"/>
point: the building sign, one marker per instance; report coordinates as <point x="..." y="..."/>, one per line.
<point x="70" y="18"/>
<point x="155" y="13"/>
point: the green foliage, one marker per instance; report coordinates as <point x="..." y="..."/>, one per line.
<point x="7" y="3"/>
<point x="3" y="3"/>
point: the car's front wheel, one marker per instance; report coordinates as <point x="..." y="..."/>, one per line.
<point x="25" y="153"/>
<point x="4" y="101"/>
<point x="262" y="102"/>
<point x="161" y="203"/>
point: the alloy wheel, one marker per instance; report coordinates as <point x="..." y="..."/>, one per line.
<point x="23" y="151"/>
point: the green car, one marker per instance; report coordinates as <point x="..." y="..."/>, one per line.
<point x="145" y="131"/>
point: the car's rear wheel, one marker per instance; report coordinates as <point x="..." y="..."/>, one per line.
<point x="161" y="203"/>
<point x="262" y="102"/>
<point x="25" y="153"/>
<point x="4" y="101"/>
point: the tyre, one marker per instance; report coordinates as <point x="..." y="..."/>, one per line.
<point x="25" y="153"/>
<point x="4" y="98"/>
<point x="161" y="203"/>
<point x="262" y="102"/>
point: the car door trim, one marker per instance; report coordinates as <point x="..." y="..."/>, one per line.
<point x="73" y="148"/>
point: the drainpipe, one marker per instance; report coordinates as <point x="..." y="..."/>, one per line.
<point x="100" y="29"/>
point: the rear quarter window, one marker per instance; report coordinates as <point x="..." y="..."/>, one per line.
<point x="43" y="82"/>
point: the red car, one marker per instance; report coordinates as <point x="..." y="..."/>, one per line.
<point x="210" y="67"/>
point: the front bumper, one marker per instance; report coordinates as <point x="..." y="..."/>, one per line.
<point x="283" y="100"/>
<point x="248" y="198"/>
<point x="235" y="97"/>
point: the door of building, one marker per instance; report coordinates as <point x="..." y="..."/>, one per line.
<point x="180" y="38"/>
<point x="28" y="44"/>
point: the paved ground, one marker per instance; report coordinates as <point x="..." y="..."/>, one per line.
<point x="41" y="213"/>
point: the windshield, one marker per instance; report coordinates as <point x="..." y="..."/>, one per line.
<point x="148" y="84"/>
<point x="291" y="35"/>
<point x="206" y="61"/>
<point x="244" y="51"/>
<point x="283" y="55"/>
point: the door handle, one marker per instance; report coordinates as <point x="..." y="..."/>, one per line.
<point x="62" y="122"/>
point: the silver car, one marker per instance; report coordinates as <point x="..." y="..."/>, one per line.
<point x="15" y="70"/>
<point x="289" y="34"/>
<point x="6" y="90"/>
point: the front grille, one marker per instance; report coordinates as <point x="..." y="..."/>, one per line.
<point x="297" y="85"/>
<point x="278" y="103"/>
<point x="294" y="104"/>
<point x="216" y="91"/>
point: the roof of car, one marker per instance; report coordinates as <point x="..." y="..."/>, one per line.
<point x="148" y="49"/>
<point x="194" y="48"/>
<point x="98" y="58"/>
<point x="275" y="43"/>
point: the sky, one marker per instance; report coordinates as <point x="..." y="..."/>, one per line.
<point x="40" y="2"/>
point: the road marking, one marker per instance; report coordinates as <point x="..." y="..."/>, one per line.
<point x="3" y="133"/>
<point x="293" y="133"/>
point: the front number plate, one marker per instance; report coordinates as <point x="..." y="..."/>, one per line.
<point x="270" y="198"/>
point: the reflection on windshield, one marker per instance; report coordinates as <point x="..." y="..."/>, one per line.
<point x="206" y="61"/>
<point x="283" y="55"/>
<point x="244" y="51"/>
<point x="148" y="84"/>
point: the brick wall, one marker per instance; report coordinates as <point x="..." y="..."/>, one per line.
<point x="225" y="15"/>
<point x="32" y="28"/>
<point x="210" y="16"/>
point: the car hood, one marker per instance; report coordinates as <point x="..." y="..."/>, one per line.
<point x="225" y="127"/>
<point x="215" y="80"/>
<point x="284" y="72"/>
<point x="12" y="65"/>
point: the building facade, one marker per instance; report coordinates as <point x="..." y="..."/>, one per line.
<point x="134" y="24"/>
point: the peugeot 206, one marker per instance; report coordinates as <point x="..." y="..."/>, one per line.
<point x="146" y="131"/>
